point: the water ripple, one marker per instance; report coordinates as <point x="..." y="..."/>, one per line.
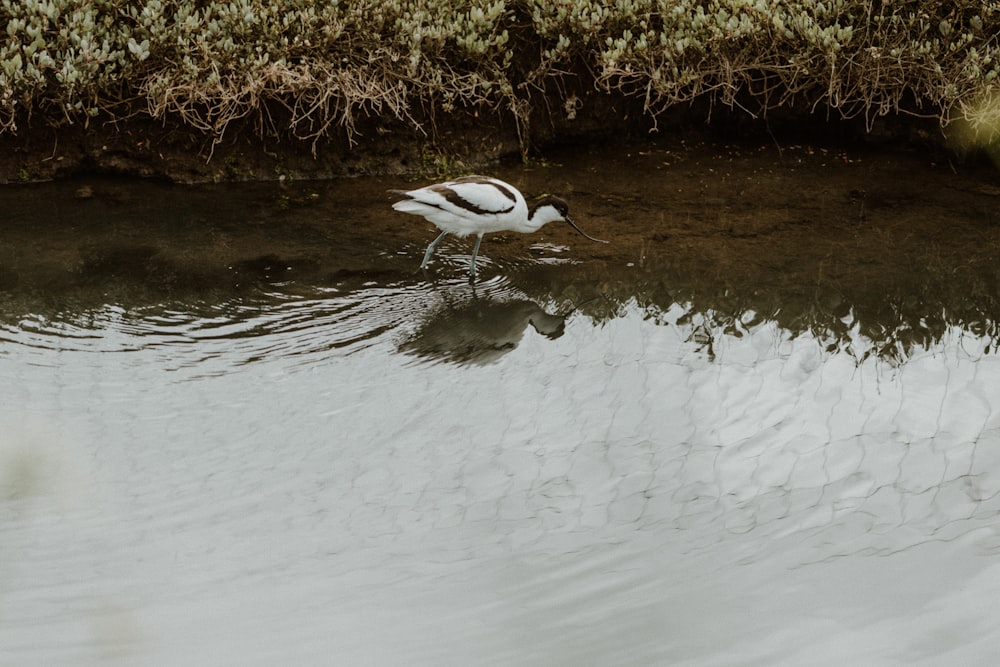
<point x="271" y="325"/>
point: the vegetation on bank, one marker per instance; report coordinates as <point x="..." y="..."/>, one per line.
<point x="311" y="69"/>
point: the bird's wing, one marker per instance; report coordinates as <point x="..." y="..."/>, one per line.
<point x="473" y="194"/>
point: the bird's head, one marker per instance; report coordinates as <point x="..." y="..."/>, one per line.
<point x="553" y="209"/>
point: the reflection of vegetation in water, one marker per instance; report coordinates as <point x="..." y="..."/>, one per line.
<point x="890" y="313"/>
<point x="891" y="318"/>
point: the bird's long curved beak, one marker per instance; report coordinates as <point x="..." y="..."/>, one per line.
<point x="573" y="225"/>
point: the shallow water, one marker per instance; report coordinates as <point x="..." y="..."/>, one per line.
<point x="761" y="428"/>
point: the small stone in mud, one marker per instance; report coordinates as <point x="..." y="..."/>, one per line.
<point x="84" y="192"/>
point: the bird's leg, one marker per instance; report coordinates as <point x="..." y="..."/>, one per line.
<point x="430" y="249"/>
<point x="475" y="251"/>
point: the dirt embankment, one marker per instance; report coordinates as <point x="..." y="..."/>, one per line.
<point x="384" y="146"/>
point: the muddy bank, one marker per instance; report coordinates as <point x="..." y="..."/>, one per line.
<point x="441" y="147"/>
<point x="180" y="154"/>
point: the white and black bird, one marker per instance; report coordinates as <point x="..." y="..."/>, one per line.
<point x="480" y="205"/>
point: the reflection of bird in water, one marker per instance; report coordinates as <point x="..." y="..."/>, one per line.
<point x="480" y="331"/>
<point x="480" y="205"/>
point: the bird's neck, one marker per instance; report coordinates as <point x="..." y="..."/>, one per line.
<point x="540" y="215"/>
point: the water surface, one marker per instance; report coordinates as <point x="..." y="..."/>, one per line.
<point x="762" y="427"/>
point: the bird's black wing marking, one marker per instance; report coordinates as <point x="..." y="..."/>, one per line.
<point x="483" y="180"/>
<point x="458" y="200"/>
<point x="506" y="193"/>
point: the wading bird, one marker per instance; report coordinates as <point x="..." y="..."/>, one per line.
<point x="480" y="205"/>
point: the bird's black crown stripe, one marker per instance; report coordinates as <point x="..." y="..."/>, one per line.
<point x="549" y="200"/>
